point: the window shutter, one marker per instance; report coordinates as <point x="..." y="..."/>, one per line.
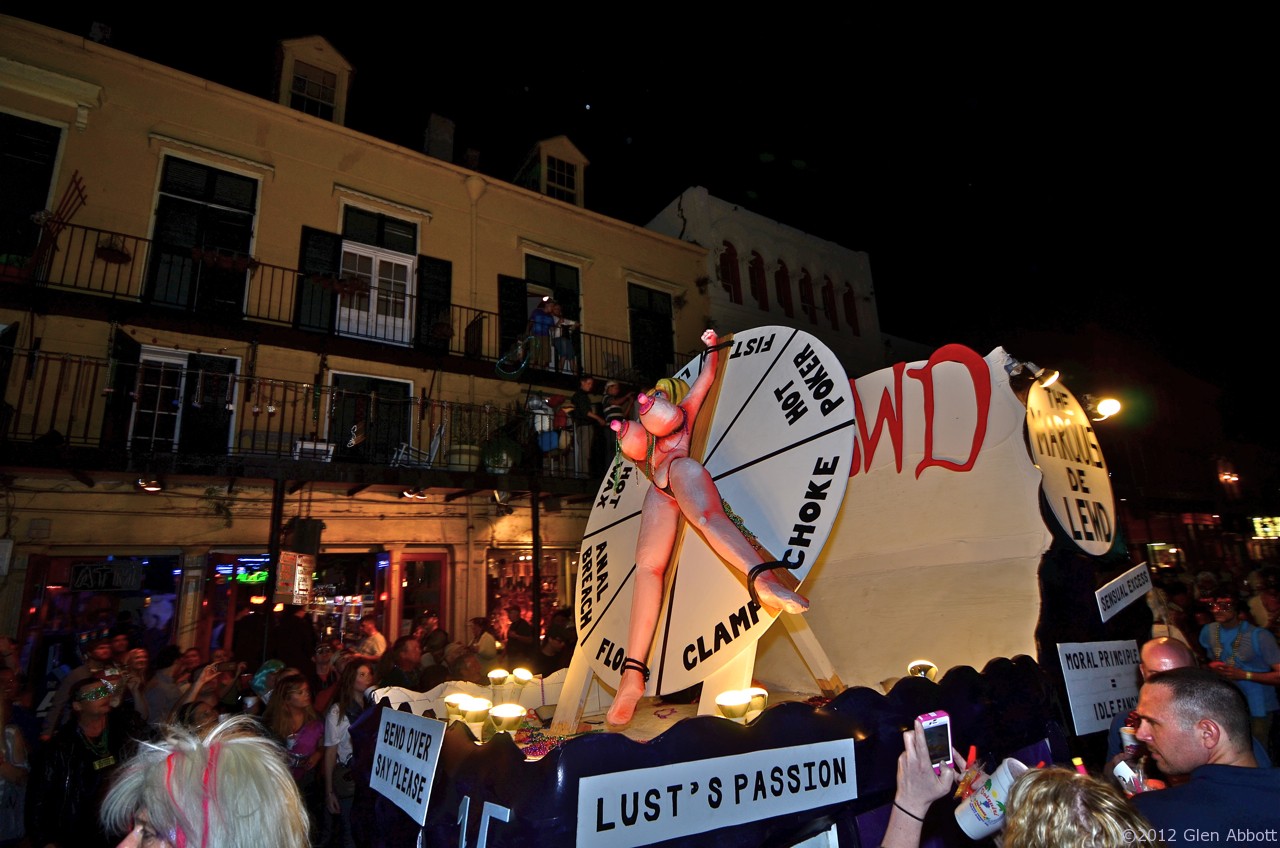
<point x="513" y="310"/>
<point x="435" y="294"/>
<point x="319" y="259"/>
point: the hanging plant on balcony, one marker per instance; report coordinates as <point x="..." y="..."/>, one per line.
<point x="345" y="285"/>
<point x="212" y="257"/>
<point x="111" y="249"/>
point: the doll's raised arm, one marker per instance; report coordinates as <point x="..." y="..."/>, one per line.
<point x="698" y="391"/>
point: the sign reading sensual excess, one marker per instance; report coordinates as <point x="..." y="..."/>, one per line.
<point x="1124" y="590"/>
<point x="1101" y="680"/>
<point x="779" y="447"/>
<point x="1076" y="483"/>
<point x="644" y="806"/>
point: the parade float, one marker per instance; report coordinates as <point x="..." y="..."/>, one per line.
<point x="908" y="505"/>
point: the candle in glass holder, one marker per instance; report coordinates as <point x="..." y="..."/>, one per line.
<point x="453" y="705"/>
<point x="759" y="700"/>
<point x="507" y="717"/>
<point x="474" y="713"/>
<point x="733" y="704"/>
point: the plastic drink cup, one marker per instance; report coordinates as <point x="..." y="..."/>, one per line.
<point x="1129" y="739"/>
<point x="982" y="813"/>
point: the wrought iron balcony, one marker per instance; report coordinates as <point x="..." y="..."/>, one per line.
<point x="221" y="286"/>
<point x="88" y="413"/>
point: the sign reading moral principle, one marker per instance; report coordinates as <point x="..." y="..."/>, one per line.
<point x="1101" y="680"/>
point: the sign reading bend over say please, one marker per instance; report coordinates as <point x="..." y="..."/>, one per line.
<point x="404" y="762"/>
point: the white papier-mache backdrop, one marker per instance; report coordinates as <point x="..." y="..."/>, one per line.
<point x="939" y="564"/>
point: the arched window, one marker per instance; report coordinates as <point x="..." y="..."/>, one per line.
<point x="729" y="276"/>
<point x="806" y="296"/>
<point x="759" y="285"/>
<point x="829" y="302"/>
<point x="851" y="309"/>
<point x="782" y="286"/>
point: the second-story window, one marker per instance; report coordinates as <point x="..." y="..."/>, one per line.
<point x="759" y="285"/>
<point x="562" y="180"/>
<point x="829" y="302"/>
<point x="782" y="285"/>
<point x="729" y="276"/>
<point x="314" y="90"/>
<point x="851" y="309"/>
<point x="377" y="269"/>
<point x="203" y="230"/>
<point x="807" y="303"/>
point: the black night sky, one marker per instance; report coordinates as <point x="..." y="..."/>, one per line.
<point x="1000" y="173"/>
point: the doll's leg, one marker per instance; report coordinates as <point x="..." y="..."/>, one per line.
<point x="658" y="522"/>
<point x="700" y="501"/>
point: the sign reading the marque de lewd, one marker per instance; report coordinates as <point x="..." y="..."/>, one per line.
<point x="1076" y="483"/>
<point x="293" y="583"/>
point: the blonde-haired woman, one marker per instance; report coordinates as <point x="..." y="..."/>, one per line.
<point x="229" y="789"/>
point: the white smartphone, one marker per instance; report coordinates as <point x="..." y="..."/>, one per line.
<point x="937" y="736"/>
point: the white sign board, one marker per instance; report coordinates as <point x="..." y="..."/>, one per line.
<point x="1122" y="591"/>
<point x="293" y="582"/>
<point x="1101" y="680"/>
<point x="404" y="762"/>
<point x="1076" y="484"/>
<point x="644" y="806"/>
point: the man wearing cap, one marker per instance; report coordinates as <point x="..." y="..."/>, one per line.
<point x="1246" y="655"/>
<point x="97" y="656"/>
<point x="70" y="772"/>
<point x="1194" y="723"/>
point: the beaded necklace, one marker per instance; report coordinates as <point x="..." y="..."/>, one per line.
<point x="102" y="756"/>
<point x="1215" y="639"/>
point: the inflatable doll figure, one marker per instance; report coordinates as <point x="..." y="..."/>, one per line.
<point x="659" y="446"/>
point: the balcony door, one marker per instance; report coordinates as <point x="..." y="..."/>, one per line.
<point x="183" y="402"/>
<point x="202" y="238"/>
<point x="652" y="336"/>
<point x="375" y="304"/>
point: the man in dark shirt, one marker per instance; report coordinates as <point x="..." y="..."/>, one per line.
<point x="521" y="642"/>
<point x="405" y="669"/>
<point x="1195" y="723"/>
<point x="72" y="770"/>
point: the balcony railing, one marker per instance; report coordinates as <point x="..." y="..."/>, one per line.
<point x="127" y="415"/>
<point x="220" y="286"/>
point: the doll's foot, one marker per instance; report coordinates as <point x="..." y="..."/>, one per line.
<point x="635" y="675"/>
<point x="768" y="592"/>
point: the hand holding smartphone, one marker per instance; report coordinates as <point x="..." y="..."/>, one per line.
<point x="937" y="736"/>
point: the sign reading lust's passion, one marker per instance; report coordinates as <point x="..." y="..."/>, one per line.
<point x="779" y="444"/>
<point x="644" y="806"/>
<point x="1076" y="483"/>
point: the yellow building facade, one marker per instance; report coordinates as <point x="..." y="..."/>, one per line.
<point x="284" y="322"/>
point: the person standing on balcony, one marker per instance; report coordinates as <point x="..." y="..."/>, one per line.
<point x="541" y="320"/>
<point x="562" y="340"/>
<point x="586" y="418"/>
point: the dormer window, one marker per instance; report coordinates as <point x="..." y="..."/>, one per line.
<point x="562" y="180"/>
<point x="314" y="90"/>
<point x="556" y="168"/>
<point x="313" y="78"/>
